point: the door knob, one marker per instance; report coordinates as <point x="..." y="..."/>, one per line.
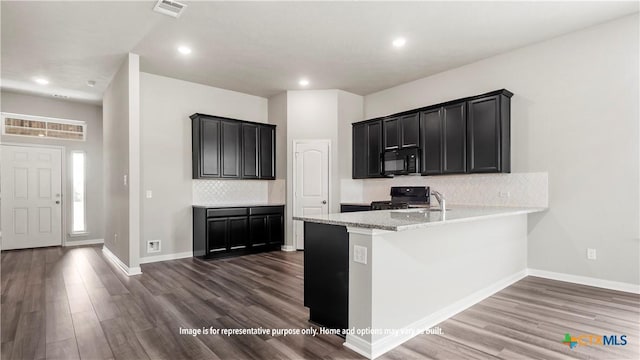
<point x="324" y="202"/>
<point x="57" y="201"/>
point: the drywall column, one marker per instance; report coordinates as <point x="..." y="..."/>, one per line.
<point x="121" y="146"/>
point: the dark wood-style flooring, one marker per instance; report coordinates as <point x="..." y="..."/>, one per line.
<point x="70" y="303"/>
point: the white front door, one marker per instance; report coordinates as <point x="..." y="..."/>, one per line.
<point x="31" y="191"/>
<point x="311" y="183"/>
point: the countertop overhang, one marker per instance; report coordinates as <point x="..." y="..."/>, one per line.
<point x="410" y="219"/>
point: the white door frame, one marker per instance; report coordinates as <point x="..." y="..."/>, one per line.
<point x="295" y="198"/>
<point x="63" y="180"/>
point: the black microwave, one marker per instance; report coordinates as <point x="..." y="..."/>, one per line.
<point x="401" y="162"/>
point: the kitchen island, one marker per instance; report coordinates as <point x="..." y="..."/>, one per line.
<point x="399" y="272"/>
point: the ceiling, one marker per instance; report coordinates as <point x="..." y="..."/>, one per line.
<point x="264" y="48"/>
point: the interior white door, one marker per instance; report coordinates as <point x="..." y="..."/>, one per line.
<point x="31" y="189"/>
<point x="311" y="183"/>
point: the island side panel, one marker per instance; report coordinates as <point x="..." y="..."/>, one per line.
<point x="417" y="278"/>
<point x="326" y="274"/>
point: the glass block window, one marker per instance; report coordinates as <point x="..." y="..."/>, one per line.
<point x="36" y="126"/>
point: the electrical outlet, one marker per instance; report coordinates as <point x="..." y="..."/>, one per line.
<point x="149" y="194"/>
<point x="360" y="254"/>
<point x="504" y="194"/>
<point x="153" y="246"/>
<point x="124" y="179"/>
<point x="115" y="238"/>
<point x="591" y="254"/>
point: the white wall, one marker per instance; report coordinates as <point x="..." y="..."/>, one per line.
<point x="165" y="107"/>
<point x="322" y="115"/>
<point x="574" y="115"/>
<point x="121" y="158"/>
<point x="278" y="116"/>
<point x="92" y="115"/>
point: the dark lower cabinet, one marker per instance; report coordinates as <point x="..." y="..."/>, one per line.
<point x="223" y="232"/>
<point x="345" y="208"/>
<point x="326" y="274"/>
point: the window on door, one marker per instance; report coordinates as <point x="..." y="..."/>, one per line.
<point x="78" y="160"/>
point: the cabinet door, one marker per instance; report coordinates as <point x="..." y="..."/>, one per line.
<point x="209" y="148"/>
<point x="217" y="235"/>
<point x="258" y="230"/>
<point x="238" y="227"/>
<point x="359" y="151"/>
<point x="231" y="142"/>
<point x="249" y="151"/>
<point x="432" y="144"/>
<point x="410" y="130"/>
<point x="267" y="152"/>
<point x="276" y="229"/>
<point x="483" y="135"/>
<point x="391" y="133"/>
<point x="454" y="128"/>
<point x="374" y="149"/>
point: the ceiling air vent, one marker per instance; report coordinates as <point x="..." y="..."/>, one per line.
<point x="171" y="8"/>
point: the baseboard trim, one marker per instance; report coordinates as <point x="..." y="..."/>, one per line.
<point x="83" y="242"/>
<point x="378" y="348"/>
<point x="288" y="248"/>
<point x="167" y="257"/>
<point x="129" y="271"/>
<point x="585" y="280"/>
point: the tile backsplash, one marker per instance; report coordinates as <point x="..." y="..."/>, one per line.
<point x="230" y="192"/>
<point x="516" y="189"/>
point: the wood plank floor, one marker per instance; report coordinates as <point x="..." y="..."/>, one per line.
<point x="71" y="303"/>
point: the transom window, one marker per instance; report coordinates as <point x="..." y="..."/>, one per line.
<point x="42" y="127"/>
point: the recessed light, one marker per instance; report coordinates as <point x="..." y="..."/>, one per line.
<point x="303" y="82"/>
<point x="185" y="50"/>
<point x="91" y="83"/>
<point x="41" y="81"/>
<point x="399" y="42"/>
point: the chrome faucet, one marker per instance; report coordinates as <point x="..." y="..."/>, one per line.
<point x="441" y="200"/>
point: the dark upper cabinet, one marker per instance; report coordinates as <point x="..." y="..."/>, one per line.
<point x="488" y="134"/>
<point x="391" y="133"/>
<point x="469" y="135"/>
<point x="410" y="130"/>
<point x="402" y="131"/>
<point x="432" y="141"/>
<point x="267" y="152"/>
<point x="250" y="144"/>
<point x="359" y="151"/>
<point x="374" y="149"/>
<point x="454" y="129"/>
<point x="367" y="150"/>
<point x="232" y="149"/>
<point x="443" y="133"/>
<point x="206" y="148"/>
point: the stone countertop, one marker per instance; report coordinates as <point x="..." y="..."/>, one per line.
<point x="409" y="219"/>
<point x="216" y="206"/>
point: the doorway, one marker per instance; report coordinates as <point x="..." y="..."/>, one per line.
<point x="310" y="182"/>
<point x="31" y="189"/>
